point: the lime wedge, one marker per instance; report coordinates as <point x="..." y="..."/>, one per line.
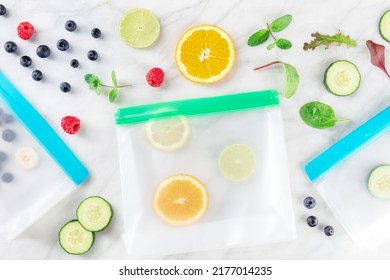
<point x="237" y="162"/>
<point x="139" y="28"/>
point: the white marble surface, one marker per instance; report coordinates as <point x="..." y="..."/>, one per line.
<point x="97" y="144"/>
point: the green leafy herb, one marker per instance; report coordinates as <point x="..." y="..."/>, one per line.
<point x="327" y="40"/>
<point x="262" y="35"/>
<point x="291" y="77"/>
<point x="319" y="115"/>
<point x="94" y="83"/>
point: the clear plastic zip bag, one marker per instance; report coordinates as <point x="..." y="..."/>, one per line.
<point x="37" y="169"/>
<point x="356" y="193"/>
<point x="224" y="182"/>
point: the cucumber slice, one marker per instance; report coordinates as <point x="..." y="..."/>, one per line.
<point x="75" y="239"/>
<point x="94" y="213"/>
<point x="342" y="78"/>
<point x="379" y="182"/>
<point x="384" y="26"/>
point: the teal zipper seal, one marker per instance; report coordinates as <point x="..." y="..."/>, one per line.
<point x="196" y="107"/>
<point x="349" y="145"/>
<point x="42" y="131"/>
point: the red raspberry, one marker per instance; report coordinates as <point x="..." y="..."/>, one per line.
<point x="70" y="124"/>
<point x="155" y="77"/>
<point x="25" y="30"/>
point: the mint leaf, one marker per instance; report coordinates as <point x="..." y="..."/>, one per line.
<point x="258" y="38"/>
<point x="113" y="94"/>
<point x="98" y="90"/>
<point x="92" y="80"/>
<point x="280" y="23"/>
<point x="292" y="80"/>
<point x="283" y="44"/>
<point x="319" y="115"/>
<point x="113" y="78"/>
<point x="271" y="46"/>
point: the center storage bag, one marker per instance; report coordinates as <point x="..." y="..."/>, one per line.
<point x="37" y="169"/>
<point x="254" y="210"/>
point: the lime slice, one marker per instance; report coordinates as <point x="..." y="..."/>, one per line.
<point x="139" y="28"/>
<point x="237" y="162"/>
<point x="169" y="134"/>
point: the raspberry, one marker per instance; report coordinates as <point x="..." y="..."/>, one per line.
<point x="70" y="124"/>
<point x="25" y="30"/>
<point x="155" y="77"/>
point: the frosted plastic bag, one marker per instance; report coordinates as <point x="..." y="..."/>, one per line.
<point x="31" y="182"/>
<point x="253" y="211"/>
<point x="345" y="188"/>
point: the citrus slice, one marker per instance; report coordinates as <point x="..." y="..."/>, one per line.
<point x="180" y="200"/>
<point x="168" y="134"/>
<point x="205" y="54"/>
<point x="237" y="162"/>
<point x="139" y="28"/>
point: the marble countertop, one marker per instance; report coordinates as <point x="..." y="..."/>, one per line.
<point x="97" y="145"/>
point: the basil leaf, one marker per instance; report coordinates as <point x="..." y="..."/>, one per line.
<point x="113" y="78"/>
<point x="292" y="80"/>
<point x="280" y="23"/>
<point x="113" y="94"/>
<point x="92" y="80"/>
<point x="271" y="46"/>
<point x="258" y="38"/>
<point x="283" y="44"/>
<point x="318" y="115"/>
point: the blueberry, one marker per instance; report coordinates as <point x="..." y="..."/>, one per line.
<point x="70" y="25"/>
<point x="37" y="75"/>
<point x="96" y="33"/>
<point x="312" y="221"/>
<point x="7" y="118"/>
<point x="74" y="63"/>
<point x="93" y="55"/>
<point x="43" y="51"/>
<point x="25" y="61"/>
<point x="7" y="177"/>
<point x="65" y="87"/>
<point x="309" y="202"/>
<point x="10" y="47"/>
<point x="328" y="230"/>
<point x="62" y="45"/>
<point x="3" y="156"/>
<point x="3" y="10"/>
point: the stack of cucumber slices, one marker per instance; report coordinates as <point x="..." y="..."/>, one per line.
<point x="94" y="214"/>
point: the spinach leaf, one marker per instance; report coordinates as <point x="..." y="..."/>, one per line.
<point x="319" y="115"/>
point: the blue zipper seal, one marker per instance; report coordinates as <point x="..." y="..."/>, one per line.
<point x="42" y="131"/>
<point x="350" y="144"/>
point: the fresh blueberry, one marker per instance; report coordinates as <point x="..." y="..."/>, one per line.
<point x="7" y="118"/>
<point x="3" y="10"/>
<point x="96" y="33"/>
<point x="328" y="230"/>
<point x="65" y="87"/>
<point x="309" y="202"/>
<point x="7" y="177"/>
<point x="312" y="221"/>
<point x="62" y="45"/>
<point x="74" y="63"/>
<point x="3" y="156"/>
<point x="8" y="135"/>
<point x="43" y="51"/>
<point x="37" y="75"/>
<point x="25" y="61"/>
<point x="10" y="47"/>
<point x="93" y="55"/>
<point x="70" y="25"/>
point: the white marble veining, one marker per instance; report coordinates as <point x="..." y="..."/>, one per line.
<point x="96" y="145"/>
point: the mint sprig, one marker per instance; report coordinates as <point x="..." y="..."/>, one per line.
<point x="94" y="83"/>
<point x="263" y="35"/>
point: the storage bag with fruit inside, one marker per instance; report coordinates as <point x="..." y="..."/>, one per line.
<point x="37" y="169"/>
<point x="204" y="174"/>
<point x="358" y="190"/>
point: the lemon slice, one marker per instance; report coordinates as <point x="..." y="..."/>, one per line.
<point x="168" y="134"/>
<point x="26" y="157"/>
<point x="237" y="162"/>
<point x="139" y="28"/>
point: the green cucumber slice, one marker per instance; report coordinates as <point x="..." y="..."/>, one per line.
<point x="384" y="26"/>
<point x="342" y="78"/>
<point x="75" y="239"/>
<point x="379" y="182"/>
<point x="94" y="213"/>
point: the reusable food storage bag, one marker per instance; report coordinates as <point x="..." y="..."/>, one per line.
<point x="255" y="210"/>
<point x="365" y="217"/>
<point x="31" y="182"/>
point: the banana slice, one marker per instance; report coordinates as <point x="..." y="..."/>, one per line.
<point x="26" y="157"/>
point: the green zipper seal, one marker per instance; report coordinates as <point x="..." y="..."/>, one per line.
<point x="197" y="107"/>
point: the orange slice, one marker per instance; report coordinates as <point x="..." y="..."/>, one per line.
<point x="180" y="200"/>
<point x="205" y="54"/>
